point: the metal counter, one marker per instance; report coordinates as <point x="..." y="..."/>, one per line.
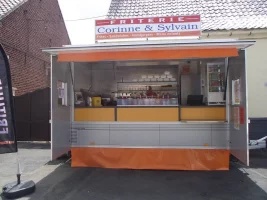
<point x="188" y="135"/>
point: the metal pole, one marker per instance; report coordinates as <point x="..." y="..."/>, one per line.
<point x="18" y="169"/>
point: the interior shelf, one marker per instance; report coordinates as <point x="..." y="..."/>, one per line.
<point x="163" y="90"/>
<point x="150" y="83"/>
<point x="215" y="82"/>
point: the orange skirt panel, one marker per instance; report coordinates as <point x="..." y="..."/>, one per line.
<point x="151" y="158"/>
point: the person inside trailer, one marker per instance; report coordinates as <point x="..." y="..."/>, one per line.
<point x="150" y="92"/>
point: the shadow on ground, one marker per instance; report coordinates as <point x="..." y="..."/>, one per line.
<point x="61" y="160"/>
<point x="104" y="184"/>
<point x="258" y="158"/>
<point x="34" y="145"/>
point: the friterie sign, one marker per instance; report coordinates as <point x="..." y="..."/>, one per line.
<point x="174" y="26"/>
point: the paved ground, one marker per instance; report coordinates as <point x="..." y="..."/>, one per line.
<point x="31" y="156"/>
<point x="56" y="180"/>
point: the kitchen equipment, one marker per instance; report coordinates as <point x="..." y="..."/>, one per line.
<point x="124" y="101"/>
<point x="89" y="101"/>
<point x="173" y="101"/>
<point x="144" y="76"/>
<point x="130" y="101"/>
<point x="152" y="101"/>
<point x="96" y="101"/>
<point x="140" y="101"/>
<point x="119" y="101"/>
<point x="135" y="102"/>
<point x="166" y="102"/>
<point x="166" y="79"/>
<point x="191" y="86"/>
<point x="104" y="101"/>
<point x="167" y="73"/>
<point x="146" y="101"/>
<point x="157" y="101"/>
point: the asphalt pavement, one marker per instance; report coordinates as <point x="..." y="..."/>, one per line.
<point x="57" y="180"/>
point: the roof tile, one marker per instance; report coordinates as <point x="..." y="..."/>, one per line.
<point x="215" y="14"/>
<point x="7" y="6"/>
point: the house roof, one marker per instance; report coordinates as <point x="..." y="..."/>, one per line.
<point x="7" y="6"/>
<point x="215" y="14"/>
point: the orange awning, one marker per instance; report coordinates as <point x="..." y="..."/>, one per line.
<point x="146" y="54"/>
<point x="150" y="50"/>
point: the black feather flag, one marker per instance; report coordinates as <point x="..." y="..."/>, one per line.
<point x="8" y="142"/>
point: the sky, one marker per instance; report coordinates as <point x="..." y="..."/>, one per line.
<point x="82" y="31"/>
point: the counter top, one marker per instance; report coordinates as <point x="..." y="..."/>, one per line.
<point x="147" y="106"/>
<point x="130" y="106"/>
<point x="150" y="106"/>
<point x="203" y="106"/>
<point x="95" y="106"/>
<point x="203" y="122"/>
<point x="152" y="123"/>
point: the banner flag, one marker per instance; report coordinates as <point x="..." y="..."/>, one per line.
<point x="8" y="142"/>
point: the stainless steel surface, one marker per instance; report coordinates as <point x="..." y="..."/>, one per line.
<point x="154" y="44"/>
<point x="150" y="147"/>
<point x="114" y="124"/>
<point x="134" y="137"/>
<point x="99" y="137"/>
<point x="72" y="95"/>
<point x="204" y="122"/>
<point x="239" y="138"/>
<point x="220" y="134"/>
<point x="60" y="115"/>
<point x="127" y="134"/>
<point x="190" y="85"/>
<point x="145" y="83"/>
<point x="148" y="106"/>
<point x="186" y="136"/>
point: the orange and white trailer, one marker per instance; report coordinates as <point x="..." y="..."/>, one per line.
<point x="148" y="136"/>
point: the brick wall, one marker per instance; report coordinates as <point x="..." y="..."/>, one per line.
<point x="34" y="25"/>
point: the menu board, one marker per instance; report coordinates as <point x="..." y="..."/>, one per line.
<point x="62" y="93"/>
<point x="236" y="95"/>
<point x="236" y="118"/>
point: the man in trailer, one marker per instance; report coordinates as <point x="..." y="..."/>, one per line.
<point x="150" y="92"/>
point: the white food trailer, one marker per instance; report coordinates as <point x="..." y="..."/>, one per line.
<point x="152" y="135"/>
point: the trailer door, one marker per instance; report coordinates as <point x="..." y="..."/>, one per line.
<point x="61" y="92"/>
<point x="237" y="87"/>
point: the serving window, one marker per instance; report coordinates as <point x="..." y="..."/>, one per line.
<point x="127" y="84"/>
<point x="186" y="83"/>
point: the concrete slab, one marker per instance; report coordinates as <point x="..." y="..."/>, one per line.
<point x="32" y="156"/>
